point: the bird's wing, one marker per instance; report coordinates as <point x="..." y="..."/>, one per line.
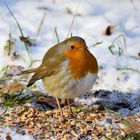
<point x="28" y="71"/>
<point x="41" y="73"/>
<point x="50" y="66"/>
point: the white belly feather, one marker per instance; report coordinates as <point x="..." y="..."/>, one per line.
<point x="63" y="86"/>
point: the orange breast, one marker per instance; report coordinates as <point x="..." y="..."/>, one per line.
<point x="82" y="62"/>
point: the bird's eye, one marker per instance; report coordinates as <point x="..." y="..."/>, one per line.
<point x="72" y="46"/>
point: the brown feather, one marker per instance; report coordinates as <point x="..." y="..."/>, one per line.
<point x="41" y="73"/>
<point x="29" y="71"/>
<point x="50" y="65"/>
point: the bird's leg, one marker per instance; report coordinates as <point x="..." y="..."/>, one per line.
<point x="69" y="106"/>
<point x="60" y="109"/>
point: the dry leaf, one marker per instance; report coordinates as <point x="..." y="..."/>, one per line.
<point x="28" y="41"/>
<point x="139" y="54"/>
<point x="135" y="127"/>
<point x="8" y="137"/>
<point x="109" y="30"/>
<point x="15" y="55"/>
<point x="8" y="48"/>
<point x="68" y="10"/>
<point x="133" y="124"/>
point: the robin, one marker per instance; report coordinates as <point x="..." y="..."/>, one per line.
<point x="68" y="70"/>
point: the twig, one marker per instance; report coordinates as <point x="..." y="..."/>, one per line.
<point x="131" y="69"/>
<point x="14" y="18"/>
<point x="26" y="47"/>
<point x="56" y="33"/>
<point x="40" y="25"/>
<point x="97" y="43"/>
<point x="69" y="31"/>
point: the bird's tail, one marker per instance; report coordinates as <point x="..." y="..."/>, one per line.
<point x="28" y="71"/>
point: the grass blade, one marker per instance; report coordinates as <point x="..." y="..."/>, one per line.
<point x="26" y="47"/>
<point x="14" y="18"/>
<point x="75" y="15"/>
<point x="40" y="25"/>
<point x="130" y="69"/>
<point x="56" y="33"/>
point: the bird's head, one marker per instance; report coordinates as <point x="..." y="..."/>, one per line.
<point x="73" y="47"/>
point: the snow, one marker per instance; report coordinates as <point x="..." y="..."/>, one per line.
<point x="93" y="19"/>
<point x="15" y="136"/>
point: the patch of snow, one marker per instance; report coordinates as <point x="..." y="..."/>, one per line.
<point x="124" y="103"/>
<point x="13" y="134"/>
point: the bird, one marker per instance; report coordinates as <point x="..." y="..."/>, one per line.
<point x="68" y="70"/>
